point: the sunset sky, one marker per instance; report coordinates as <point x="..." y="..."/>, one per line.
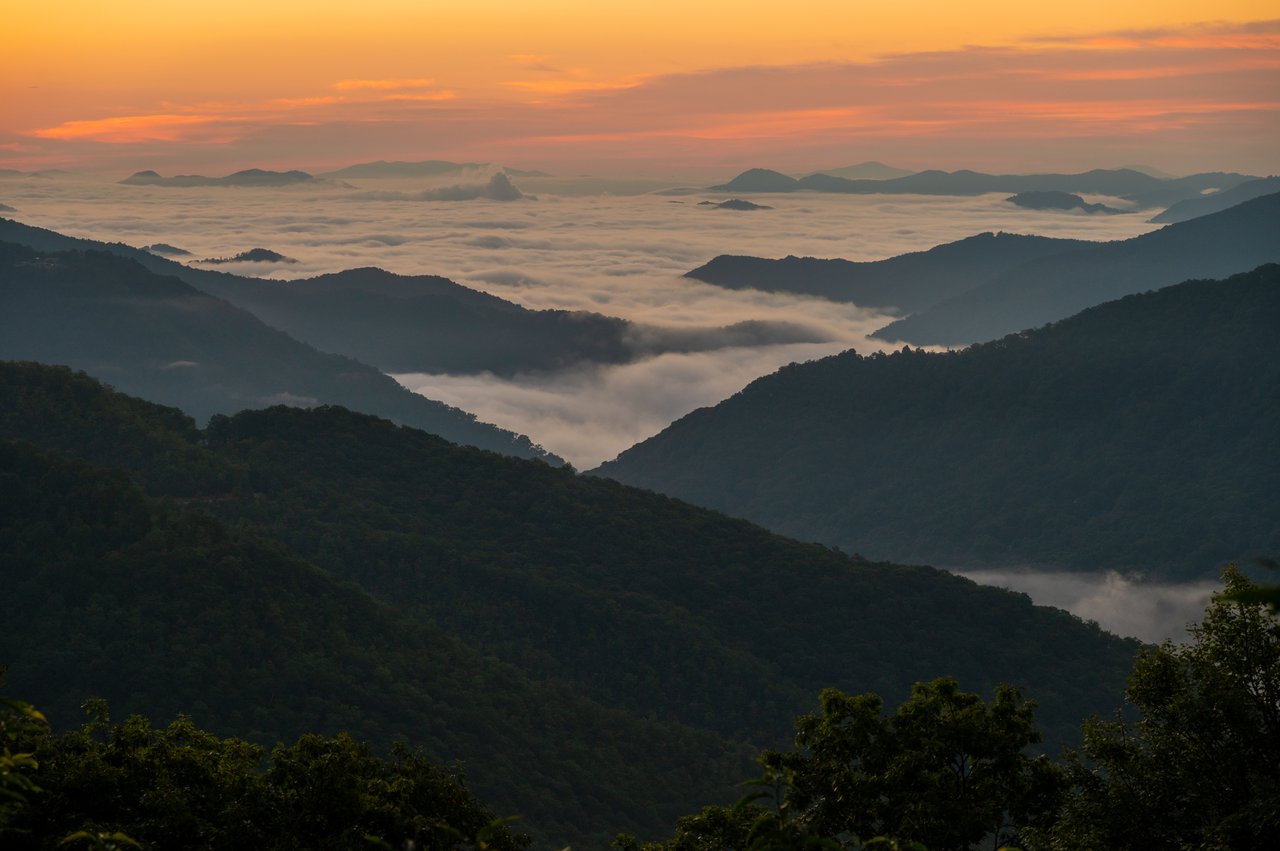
<point x="663" y="87"/>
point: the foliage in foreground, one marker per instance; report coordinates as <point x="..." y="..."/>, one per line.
<point x="1199" y="768"/>
<point x="181" y="787"/>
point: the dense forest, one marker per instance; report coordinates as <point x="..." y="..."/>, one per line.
<point x="1138" y="436"/>
<point x="1192" y="761"/>
<point x="599" y="656"/>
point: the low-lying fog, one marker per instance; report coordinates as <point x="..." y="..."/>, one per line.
<point x="1151" y="611"/>
<point x="622" y="255"/>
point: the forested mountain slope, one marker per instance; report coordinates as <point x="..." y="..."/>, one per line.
<point x="1139" y="435"/>
<point x="633" y="601"/>
<point x="164" y="610"/>
<point x="157" y="337"/>
<point x="1053" y="288"/>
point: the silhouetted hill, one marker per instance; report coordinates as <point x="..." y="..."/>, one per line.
<point x="1138" y="435"/>
<point x="248" y="177"/>
<point x="760" y="180"/>
<point x="159" y="338"/>
<point x="1143" y="189"/>
<point x="908" y="282"/>
<point x="253" y="255"/>
<point x="1053" y="288"/>
<point x="425" y="323"/>
<point x="164" y="249"/>
<point x="1058" y="201"/>
<point x="1203" y="206"/>
<point x="628" y="599"/>
<point x="735" y="204"/>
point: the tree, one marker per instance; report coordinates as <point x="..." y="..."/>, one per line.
<point x="1200" y="767"/>
<point x="20" y="722"/>
<point x="945" y="771"/>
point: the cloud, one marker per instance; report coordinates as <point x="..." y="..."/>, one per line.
<point x="125" y="129"/>
<point x="618" y="255"/>
<point x="1150" y="611"/>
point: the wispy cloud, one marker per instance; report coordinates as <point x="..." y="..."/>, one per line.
<point x="122" y="129"/>
<point x="1205" y="95"/>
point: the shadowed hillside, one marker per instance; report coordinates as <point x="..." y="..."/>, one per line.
<point x="1136" y="435"/>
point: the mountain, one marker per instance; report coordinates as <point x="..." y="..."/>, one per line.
<point x="160" y="338"/>
<point x="248" y="177"/>
<point x="1137" y="435"/>
<point x="760" y="180"/>
<point x="253" y="255"/>
<point x="908" y="282"/>
<point x="1052" y="200"/>
<point x="425" y="323"/>
<point x="1202" y="206"/>
<point x="164" y="611"/>
<point x="638" y="637"/>
<point x="1143" y="189"/>
<point x="871" y="170"/>
<point x="734" y="204"/>
<point x="1053" y="288"/>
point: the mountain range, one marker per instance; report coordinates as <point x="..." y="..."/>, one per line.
<point x="1137" y="436"/>
<point x="1052" y="288"/>
<point x="426" y="323"/>
<point x="1204" y="205"/>
<point x="1142" y="189"/>
<point x="158" y="337"/>
<point x="600" y="656"/>
<point x="985" y="286"/>
<point x="248" y="177"/>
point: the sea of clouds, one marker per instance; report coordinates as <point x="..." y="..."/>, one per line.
<point x="618" y="254"/>
<point x="566" y="245"/>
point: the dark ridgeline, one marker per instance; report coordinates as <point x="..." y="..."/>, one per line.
<point x="1204" y="205"/>
<point x="1054" y="200"/>
<point x="1137" y="435"/>
<point x="426" y="323"/>
<point x="253" y="255"/>
<point x="599" y="655"/>
<point x="160" y="338"/>
<point x="1053" y="288"/>
<point x="248" y="177"/>
<point x="907" y="283"/>
<point x="1142" y="189"/>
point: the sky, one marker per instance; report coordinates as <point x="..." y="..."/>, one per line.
<point x="660" y="87"/>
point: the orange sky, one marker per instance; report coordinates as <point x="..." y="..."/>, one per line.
<point x="707" y="86"/>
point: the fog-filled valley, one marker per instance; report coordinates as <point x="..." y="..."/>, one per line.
<point x="250" y="476"/>
<point x="619" y="250"/>
<point x="622" y="256"/>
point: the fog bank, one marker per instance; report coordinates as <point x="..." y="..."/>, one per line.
<point x="1150" y="611"/>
